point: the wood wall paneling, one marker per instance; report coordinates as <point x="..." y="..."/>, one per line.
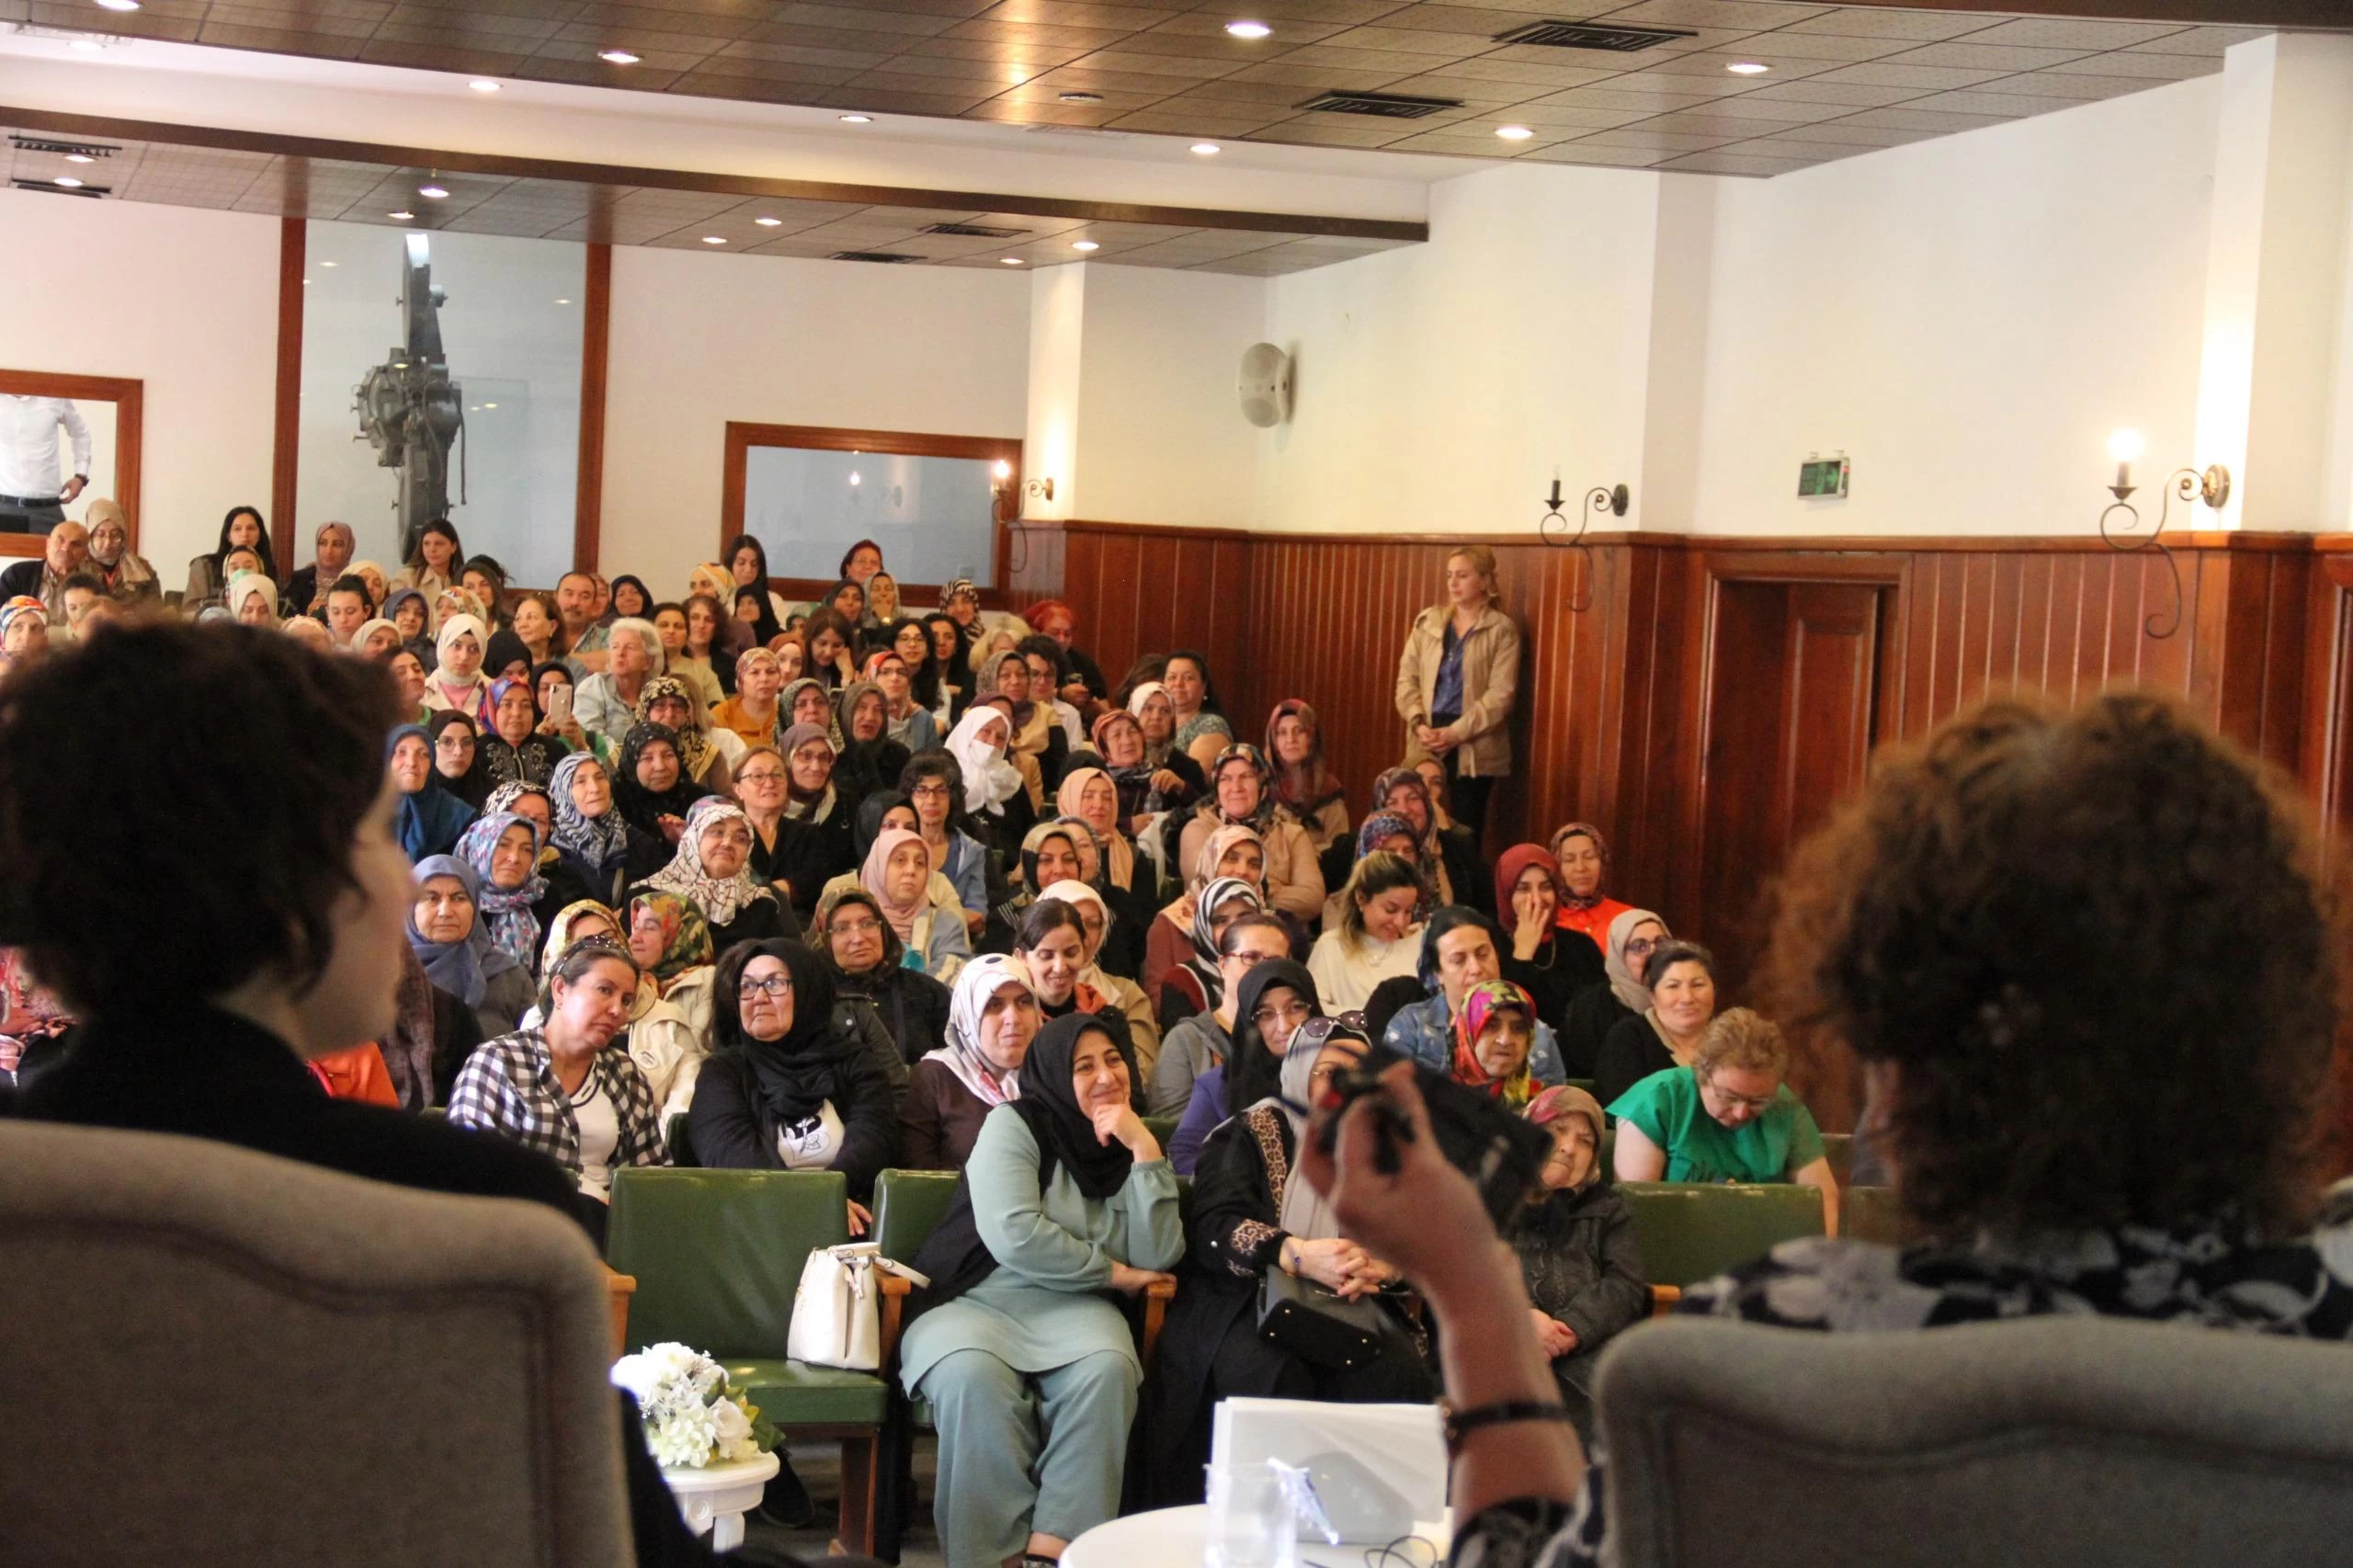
<point x="130" y="399"/>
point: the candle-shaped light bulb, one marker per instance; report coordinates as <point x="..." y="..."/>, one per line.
<point x="2125" y="447"/>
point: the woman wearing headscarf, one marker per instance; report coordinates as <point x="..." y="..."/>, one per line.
<point x="451" y="940"/>
<point x="994" y="800"/>
<point x="712" y="870"/>
<point x="991" y="1017"/>
<point x="377" y="639"/>
<point x="651" y="789"/>
<point x="1494" y="1031"/>
<point x="854" y="937"/>
<point x="669" y="1040"/>
<point x="518" y="748"/>
<point x="1273" y="1000"/>
<point x="1097" y="923"/>
<point x="457" y="680"/>
<point x="1030" y="1372"/>
<point x="1252" y="1212"/>
<point x="897" y="873"/>
<point x="1584" y="856"/>
<point x="1578" y="1251"/>
<point x="599" y="844"/>
<point x="1173" y="941"/>
<point x="1242" y="795"/>
<point x="789" y="1085"/>
<point x="1035" y="743"/>
<point x="1552" y="965"/>
<point x="1597" y="1009"/>
<point x="457" y="755"/>
<point x="821" y="843"/>
<point x="953" y="692"/>
<point x="1305" y="785"/>
<point x="429" y="819"/>
<point x="409" y="612"/>
<point x="1130" y="883"/>
<point x="871" y="759"/>
<point x="1452" y="868"/>
<point x="24" y="632"/>
<point x="125" y="573"/>
<point x="706" y="755"/>
<point x="251" y="599"/>
<point x="503" y="852"/>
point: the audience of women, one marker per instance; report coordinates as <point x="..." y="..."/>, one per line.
<point x="1205" y="1039"/>
<point x="932" y="782"/>
<point x="712" y="871"/>
<point x="1029" y="1368"/>
<point x="851" y="933"/>
<point x="1129" y="880"/>
<point x="1242" y="795"/>
<point x="1272" y="1001"/>
<point x="1553" y="965"/>
<point x="1449" y="860"/>
<point x="1457" y="681"/>
<point x="705" y="754"/>
<point x="1681" y="978"/>
<point x="651" y="789"/>
<point x="1252" y="1214"/>
<point x="1579" y="1252"/>
<point x="787" y="1086"/>
<point x="1724" y="1116"/>
<point x="669" y="1031"/>
<point x="1493" y="1033"/>
<point x="1460" y="949"/>
<point x="1373" y="934"/>
<point x="521" y="745"/>
<point x="897" y="872"/>
<point x="991" y="1019"/>
<point x="1305" y="785"/>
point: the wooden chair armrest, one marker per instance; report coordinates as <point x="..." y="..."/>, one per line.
<point x="619" y="1288"/>
<point x="1663" y="1299"/>
<point x="1157" y="1297"/>
<point x="894" y="1302"/>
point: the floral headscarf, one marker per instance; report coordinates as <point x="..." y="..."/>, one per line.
<point x="600" y="841"/>
<point x="694" y="741"/>
<point x="721" y="899"/>
<point x="1570" y="901"/>
<point x="1560" y="1102"/>
<point x="685" y="934"/>
<point x="785" y="720"/>
<point x="643" y="808"/>
<point x="513" y="929"/>
<point x="1262" y="816"/>
<point x="1480" y="1005"/>
<point x="560" y="928"/>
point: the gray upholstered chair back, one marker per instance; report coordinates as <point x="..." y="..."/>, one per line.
<point x="209" y="1356"/>
<point x="2043" y="1441"/>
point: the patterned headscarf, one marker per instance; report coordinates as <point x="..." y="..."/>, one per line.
<point x="600" y="841"/>
<point x="1262" y="816"/>
<point x="785" y="720"/>
<point x="1480" y="1005"/>
<point x="721" y="899"/>
<point x="560" y="928"/>
<point x="685" y="935"/>
<point x="694" y="741"/>
<point x="1560" y="1102"/>
<point x="513" y="929"/>
<point x="1600" y="847"/>
<point x="981" y="980"/>
<point x="1212" y="898"/>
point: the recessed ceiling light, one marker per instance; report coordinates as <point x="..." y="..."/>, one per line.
<point x="1513" y="132"/>
<point x="1081" y="98"/>
<point x="483" y="84"/>
<point x="1208" y="149"/>
<point x="68" y="181"/>
<point x="87" y="45"/>
<point x="329" y="264"/>
<point x="489" y="406"/>
<point x="713" y="240"/>
<point x="1748" y="68"/>
<point x="769" y="223"/>
<point x="563" y="301"/>
<point x="404" y="215"/>
<point x="431" y="192"/>
<point x="120" y="4"/>
<point x="1085" y="244"/>
<point x="858" y="119"/>
<point x="1009" y="260"/>
<point x="618" y="56"/>
<point x="79" y="158"/>
<point x="1248" y="29"/>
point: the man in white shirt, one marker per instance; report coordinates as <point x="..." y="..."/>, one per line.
<point x="32" y="500"/>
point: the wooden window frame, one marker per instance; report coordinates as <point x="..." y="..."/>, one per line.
<point x="129" y="399"/>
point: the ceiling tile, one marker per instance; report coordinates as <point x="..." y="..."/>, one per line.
<point x="1571" y="117"/>
<point x="1221" y="94"/>
<point x="1411" y="40"/>
<point x="2202" y="40"/>
<point x="1847" y="134"/>
<point x="2062" y="32"/>
<point x="1726" y="162"/>
<point x="316" y="45"/>
<point x="1716" y="67"/>
<point x="1860" y="21"/>
<point x="1574" y="68"/>
<point x="1628" y="93"/>
<point x="860" y="18"/>
<point x="1192" y="120"/>
<point x="1642" y="138"/>
<point x="1589" y="152"/>
<point x="1926" y="78"/>
<point x="653" y="75"/>
<point x="1968" y="55"/>
<point x="1321" y="135"/>
<point x="1910" y="119"/>
<point x="1755" y="15"/>
<point x="2069" y="84"/>
<point x="1794" y="144"/>
<point x="2143" y="64"/>
<point x="1814" y="90"/>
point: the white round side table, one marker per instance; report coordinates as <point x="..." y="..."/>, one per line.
<point x="715" y="1498"/>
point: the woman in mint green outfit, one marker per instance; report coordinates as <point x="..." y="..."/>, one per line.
<point x="1019" y="1346"/>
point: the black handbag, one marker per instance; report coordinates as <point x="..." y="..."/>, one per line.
<point x="1314" y="1323"/>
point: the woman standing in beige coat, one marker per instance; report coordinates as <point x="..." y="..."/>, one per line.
<point x="1456" y="683"/>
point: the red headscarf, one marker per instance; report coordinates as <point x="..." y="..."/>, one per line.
<point x="1512" y="867"/>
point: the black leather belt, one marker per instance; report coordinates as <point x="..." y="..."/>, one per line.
<point x="31" y="500"/>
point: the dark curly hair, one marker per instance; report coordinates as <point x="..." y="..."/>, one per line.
<point x="2095" y="948"/>
<point x="176" y="856"/>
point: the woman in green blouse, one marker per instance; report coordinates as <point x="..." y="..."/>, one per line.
<point x="1727" y="1116"/>
<point x="1029" y="1369"/>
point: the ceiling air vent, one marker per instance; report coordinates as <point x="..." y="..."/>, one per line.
<point x="1591" y="35"/>
<point x="46" y="188"/>
<point x="92" y="149"/>
<point x="1381" y="105"/>
<point x="974" y="232"/>
<point x="888" y="257"/>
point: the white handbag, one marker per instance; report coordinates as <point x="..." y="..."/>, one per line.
<point x="838" y="1309"/>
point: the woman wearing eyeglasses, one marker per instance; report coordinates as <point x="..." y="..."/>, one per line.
<point x="1726" y="1117"/>
<point x="1595" y="1010"/>
<point x="1273" y="1000"/>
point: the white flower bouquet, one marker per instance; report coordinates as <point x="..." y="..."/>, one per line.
<point x="693" y="1417"/>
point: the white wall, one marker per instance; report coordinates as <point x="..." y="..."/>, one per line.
<point x="1441" y="385"/>
<point x="1967" y="318"/>
<point x="183" y="300"/>
<point x="698" y="340"/>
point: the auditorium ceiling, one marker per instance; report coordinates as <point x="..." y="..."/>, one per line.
<point x="1743" y="87"/>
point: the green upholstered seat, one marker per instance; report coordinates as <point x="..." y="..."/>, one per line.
<point x="681" y="1147"/>
<point x="1690" y="1232"/>
<point x="1161" y="1128"/>
<point x="717" y="1256"/>
<point x="1870" y="1214"/>
<point x="908" y="1206"/>
<point x="1838" y="1148"/>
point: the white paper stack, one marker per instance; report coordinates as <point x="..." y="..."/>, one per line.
<point x="1379" y="1470"/>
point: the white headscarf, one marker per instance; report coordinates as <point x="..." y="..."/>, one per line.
<point x="245" y="583"/>
<point x="981" y="980"/>
<point x="989" y="780"/>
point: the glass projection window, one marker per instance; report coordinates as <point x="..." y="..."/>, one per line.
<point x="510" y="328"/>
<point x="933" y="516"/>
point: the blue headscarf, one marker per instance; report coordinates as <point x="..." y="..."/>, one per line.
<point x="461" y="968"/>
<point x="429" y="821"/>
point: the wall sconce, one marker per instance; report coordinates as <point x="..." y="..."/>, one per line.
<point x="1008" y="508"/>
<point x="1613" y="499"/>
<point x="1040" y="489"/>
<point x="2187" y="484"/>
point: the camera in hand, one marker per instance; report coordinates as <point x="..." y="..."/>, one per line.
<point x="1502" y="1155"/>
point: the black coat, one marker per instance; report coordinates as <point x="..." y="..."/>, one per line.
<point x="911" y="1006"/>
<point x="1592" y="1013"/>
<point x="1583" y="1263"/>
<point x="1630" y="1052"/>
<point x="1473" y="883"/>
<point x="1566" y="965"/>
<point x="647" y="853"/>
<point x="731" y="1127"/>
<point x="808" y="855"/>
<point x="206" y="1074"/>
